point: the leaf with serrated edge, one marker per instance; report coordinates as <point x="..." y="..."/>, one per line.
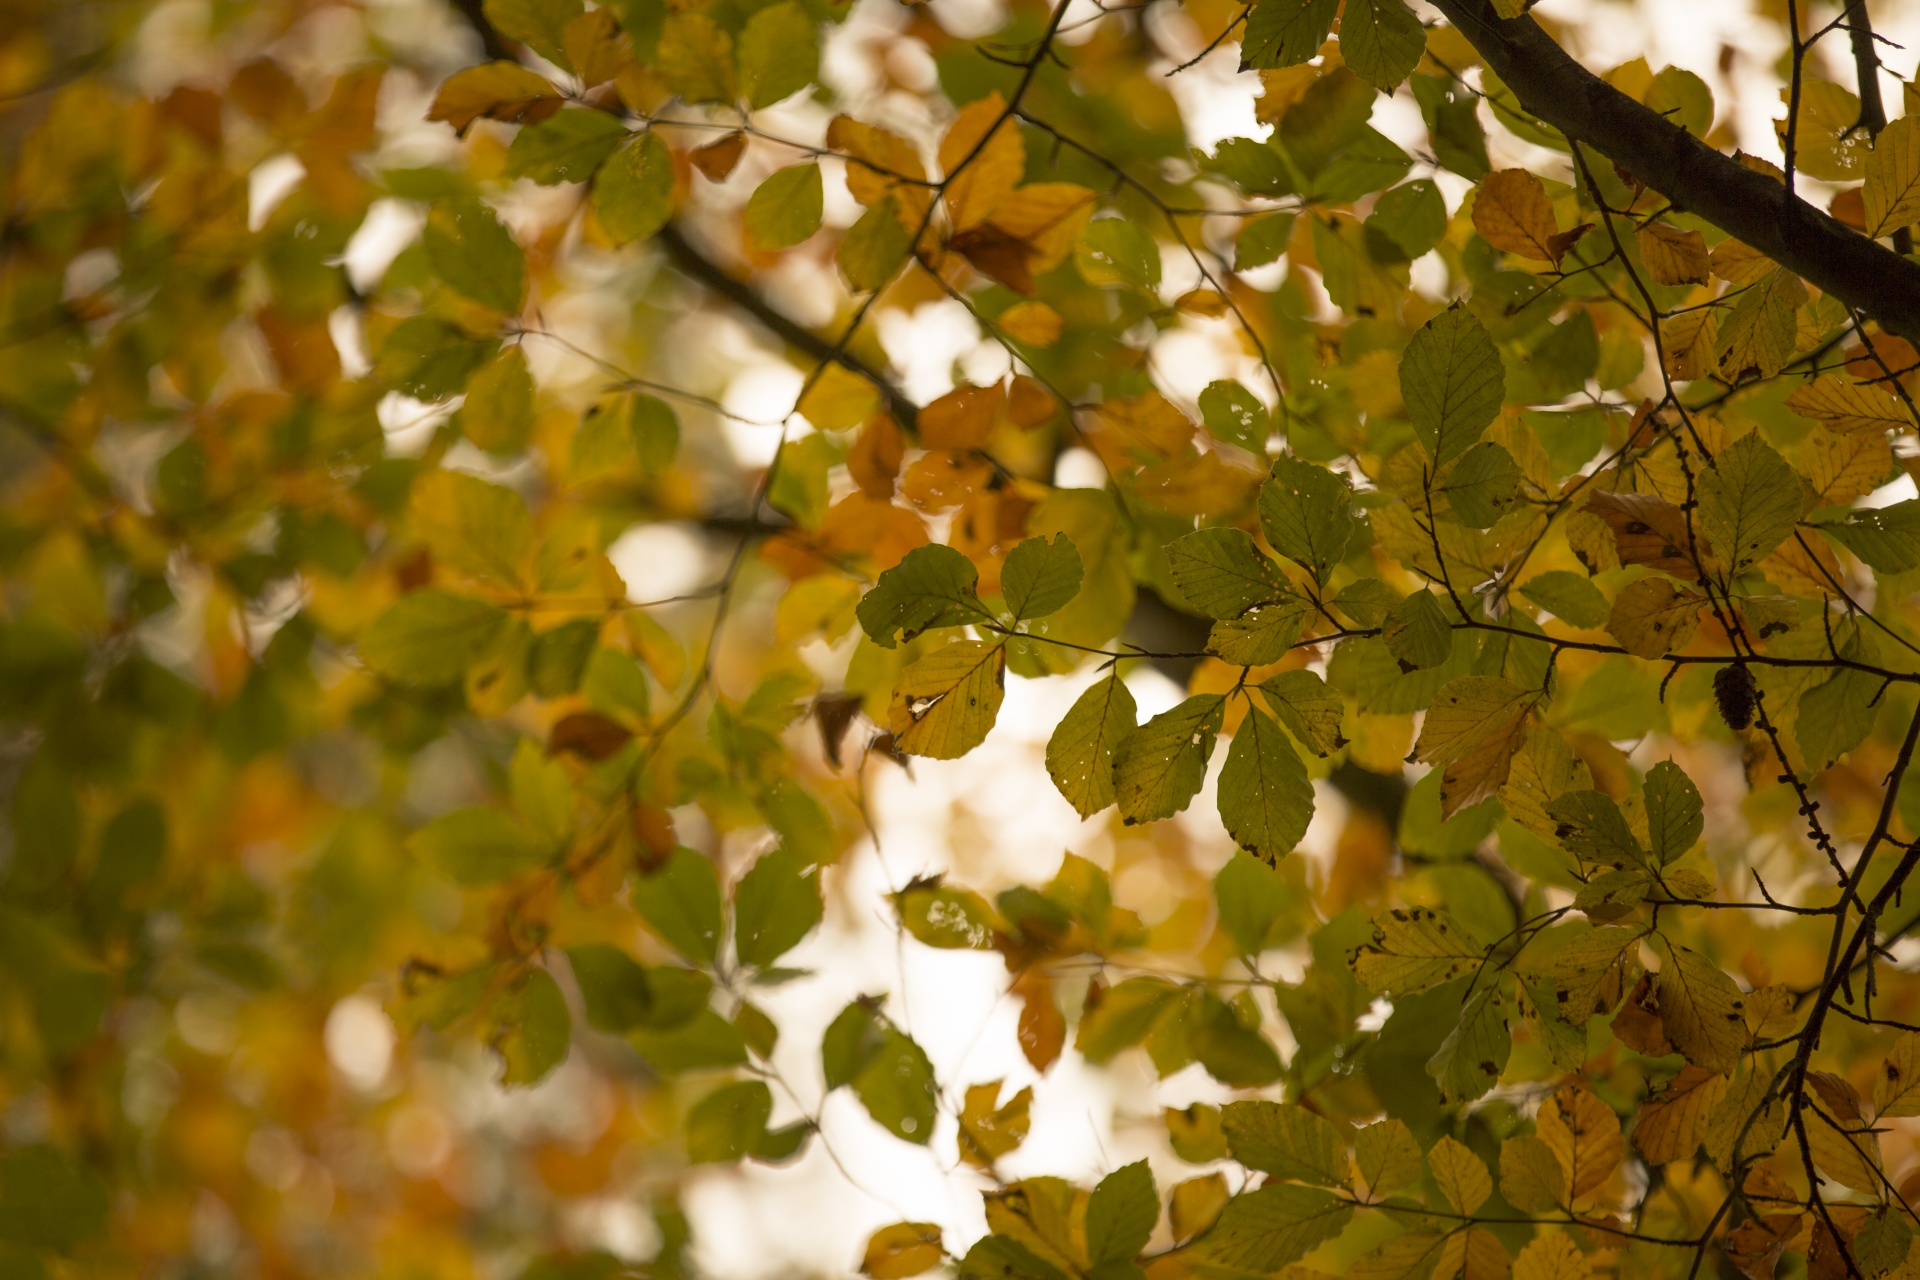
<point x="1896" y="1086"/>
<point x="1265" y="798"/>
<point x="1387" y="1156"/>
<point x="1286" y="1141"/>
<point x="1531" y="1178"/>
<point x="1672" y="1124"/>
<point x="1080" y="752"/>
<point x="1654" y="617"/>
<point x="1586" y="971"/>
<point x="1415" y="949"/>
<point x="1701" y="1007"/>
<point x="1551" y="1257"/>
<point x="1158" y="768"/>
<point x="1466" y="713"/>
<point x="1584" y="1134"/>
<point x="1461" y="1175"/>
<point x="944" y="705"/>
<point x="1452" y="382"/>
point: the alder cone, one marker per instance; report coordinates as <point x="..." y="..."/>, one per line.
<point x="1734" y="690"/>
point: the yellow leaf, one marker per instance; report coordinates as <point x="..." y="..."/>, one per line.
<point x="1654" y="617"/>
<point x="880" y="161"/>
<point x="1034" y="323"/>
<point x="696" y="58"/>
<point x="1584" y="1135"/>
<point x="1513" y="214"/>
<point x="498" y="91"/>
<point x="1701" y="1008"/>
<point x="1460" y="1174"/>
<point x="1892" y="192"/>
<point x="1551" y="1257"/>
<point x="1387" y="1157"/>
<point x="1840" y="405"/>
<point x="988" y="1130"/>
<point x="596" y="46"/>
<point x="839" y="399"/>
<point x="1543" y="769"/>
<point x="1468" y="712"/>
<point x="944" y="705"/>
<point x="982" y="157"/>
<point x="1846" y="466"/>
<point x="903" y="1249"/>
<point x="1046" y="216"/>
<point x="1673" y="255"/>
<point x="1673" y="1123"/>
<point x="1483" y="770"/>
<point x="1844" y="1146"/>
<point x="1531" y="1179"/>
<point x="1896" y="1088"/>
<point x="1739" y="264"/>
<point x="1687" y="341"/>
<point x="1760" y="333"/>
<point x="1195" y="1204"/>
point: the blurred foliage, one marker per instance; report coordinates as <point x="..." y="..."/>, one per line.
<point x="350" y="783"/>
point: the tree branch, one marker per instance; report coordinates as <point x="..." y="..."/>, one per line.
<point x="1866" y="68"/>
<point x="1858" y="271"/>
<point x="696" y="266"/>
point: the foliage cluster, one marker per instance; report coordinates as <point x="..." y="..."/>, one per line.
<point x="317" y="675"/>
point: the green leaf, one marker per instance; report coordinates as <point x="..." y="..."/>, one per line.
<point x="1593" y="829"/>
<point x="945" y="917"/>
<point x="1234" y="414"/>
<point x="1418" y="633"/>
<point x="1158" y="768"/>
<point x="1115" y="252"/>
<point x="1382" y="41"/>
<point x="681" y="900"/>
<point x="776" y="905"/>
<point x="1080" y="752"/>
<point x="1307" y="513"/>
<point x="896" y="1087"/>
<point x="932" y="586"/>
<point x="875" y="247"/>
<point x="1483" y="486"/>
<point x="1569" y="596"/>
<point x="613" y="986"/>
<point x="1286" y="1141"/>
<point x="1121" y="1017"/>
<point x="1531" y="1178"/>
<point x="1040" y="577"/>
<point x="569" y="147"/>
<point x="429" y="359"/>
<point x="467" y="247"/>
<point x="1311" y="712"/>
<point x="1121" y="1214"/>
<point x="1453" y="383"/>
<point x="1758" y="335"/>
<point x="1414" y="214"/>
<point x="1749" y="501"/>
<point x="542" y="791"/>
<point x="728" y="1123"/>
<point x="785" y="209"/>
<point x="532" y="1029"/>
<point x="1285" y="33"/>
<point x="944" y="705"/>
<point x="1674" y="816"/>
<point x="696" y="58"/>
<point x="1471" y="1058"/>
<point x="779" y="54"/>
<point x="1278" y="1224"/>
<point x="1261" y="241"/>
<point x="1387" y="1156"/>
<point x="48" y="1200"/>
<point x="1232" y="1052"/>
<point x="706" y="1042"/>
<point x="1221" y="573"/>
<point x="1248" y="899"/>
<point x="480" y="845"/>
<point x="1886" y="538"/>
<point x="1262" y="634"/>
<point x="538" y="24"/>
<point x="1415" y="949"/>
<point x="498" y="412"/>
<point x="999" y="1257"/>
<point x="1265" y="798"/>
<point x="633" y="191"/>
<point x="1835" y="716"/>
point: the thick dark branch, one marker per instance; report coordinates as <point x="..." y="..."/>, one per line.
<point x="1860" y="272"/>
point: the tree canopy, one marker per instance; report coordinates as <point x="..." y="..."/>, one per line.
<point x="518" y="517"/>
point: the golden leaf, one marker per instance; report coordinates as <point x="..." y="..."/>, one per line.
<point x="1512" y="212"/>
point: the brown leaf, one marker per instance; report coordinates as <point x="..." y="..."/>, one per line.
<point x="498" y="91"/>
<point x="1585" y="1135"/>
<point x="1673" y="1123"/>
<point x="1674" y="255"/>
<point x="1042" y="1030"/>
<point x="1512" y="213"/>
<point x="717" y="158"/>
<point x="1651" y="531"/>
<point x="587" y="734"/>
